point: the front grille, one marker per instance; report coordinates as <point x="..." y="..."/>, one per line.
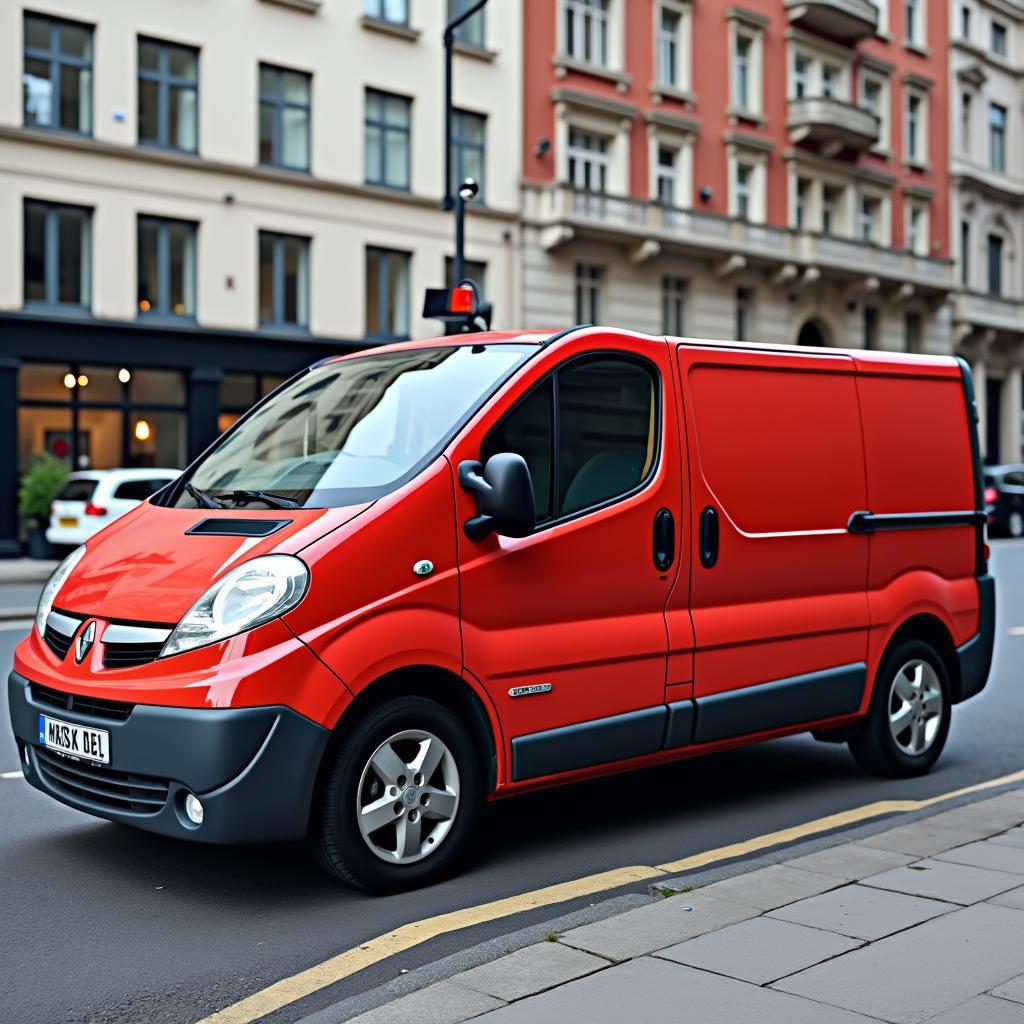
<point x="57" y="642"/>
<point x="95" y="707"/>
<point x="127" y="655"/>
<point x="120" y="791"/>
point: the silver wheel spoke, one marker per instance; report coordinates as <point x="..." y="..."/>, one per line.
<point x="916" y="707"/>
<point x="901" y="719"/>
<point x="378" y="814"/>
<point x="440" y="804"/>
<point x="388" y="765"/>
<point x="916" y="736"/>
<point x="429" y="758"/>
<point x="409" y="837"/>
<point x="903" y="686"/>
<point x="932" y="704"/>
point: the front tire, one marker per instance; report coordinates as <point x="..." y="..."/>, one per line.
<point x="401" y="799"/>
<point x="908" y="720"/>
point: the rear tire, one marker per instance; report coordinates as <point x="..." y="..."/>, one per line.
<point x="908" y="720"/>
<point x="381" y="824"/>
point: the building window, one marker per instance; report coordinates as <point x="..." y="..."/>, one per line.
<point x="387" y="294"/>
<point x="870" y="218"/>
<point x="284" y="117"/>
<point x="830" y="201"/>
<point x="871" y="327"/>
<point x="801" y="76"/>
<point x="57" y="270"/>
<point x="669" y="24"/>
<point x="997" y="137"/>
<point x="394" y="11"/>
<point x="965" y="22"/>
<point x="741" y="72"/>
<point x="469" y="134"/>
<point x="830" y="76"/>
<point x="912" y="331"/>
<point x="998" y="39"/>
<point x="917" y="228"/>
<point x="673" y="306"/>
<point x="743" y="297"/>
<point x="995" y="265"/>
<point x="965" y="122"/>
<point x="473" y="30"/>
<point x="168" y="95"/>
<point x="167" y="267"/>
<point x="914" y="142"/>
<point x="475" y="270"/>
<point x="803" y="190"/>
<point x="914" y="22"/>
<point x="57" y="75"/>
<point x="965" y="253"/>
<point x="667" y="175"/>
<point x="387" y="140"/>
<point x="284" y="280"/>
<point x="586" y="30"/>
<point x="742" y="186"/>
<point x="883" y="18"/>
<point x="588" y="161"/>
<point x="874" y="97"/>
<point x="588" y="293"/>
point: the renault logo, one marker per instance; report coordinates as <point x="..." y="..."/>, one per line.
<point x="84" y="641"/>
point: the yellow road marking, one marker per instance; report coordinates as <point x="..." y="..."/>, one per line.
<point x="343" y="965"/>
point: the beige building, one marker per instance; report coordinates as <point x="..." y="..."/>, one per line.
<point x="987" y="173"/>
<point x="196" y="203"/>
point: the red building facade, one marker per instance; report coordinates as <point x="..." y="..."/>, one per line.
<point x="775" y="169"/>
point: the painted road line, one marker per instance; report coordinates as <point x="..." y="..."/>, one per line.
<point x="12" y="775"/>
<point x="1017" y="631"/>
<point x="21" y="625"/>
<point x="344" y="965"/>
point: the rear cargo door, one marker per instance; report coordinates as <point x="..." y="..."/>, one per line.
<point x="777" y="599"/>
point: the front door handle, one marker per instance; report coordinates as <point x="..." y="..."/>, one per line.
<point x="708" y="537"/>
<point x="664" y="539"/>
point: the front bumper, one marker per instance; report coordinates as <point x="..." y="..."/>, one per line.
<point x="253" y="768"/>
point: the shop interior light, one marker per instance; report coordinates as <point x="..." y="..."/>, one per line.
<point x="69" y="380"/>
<point x="142" y="430"/>
<point x="124" y="375"/>
<point x="144" y="305"/>
<point x="83" y="380"/>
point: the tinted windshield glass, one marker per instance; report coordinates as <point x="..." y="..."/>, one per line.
<point x="351" y="430"/>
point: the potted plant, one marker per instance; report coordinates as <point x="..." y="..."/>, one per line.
<point x="39" y="486"/>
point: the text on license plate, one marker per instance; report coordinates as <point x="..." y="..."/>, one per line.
<point x="76" y="740"/>
<point x="68" y="521"/>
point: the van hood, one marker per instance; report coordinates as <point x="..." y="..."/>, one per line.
<point x="148" y="567"/>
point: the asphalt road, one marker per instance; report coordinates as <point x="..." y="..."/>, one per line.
<point x="103" y="923"/>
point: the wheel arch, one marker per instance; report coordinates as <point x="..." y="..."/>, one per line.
<point x="933" y="631"/>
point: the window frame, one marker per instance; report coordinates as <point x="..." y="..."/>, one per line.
<point x="55" y="59"/>
<point x="999" y="31"/>
<point x="279" y="104"/>
<point x="51" y="256"/>
<point x="165" y="81"/>
<point x="674" y="288"/>
<point x="467" y="33"/>
<point x="163" y="273"/>
<point x="997" y="136"/>
<point x="383" y="337"/>
<point x="552" y="375"/>
<point x="588" y="24"/>
<point x="384" y="128"/>
<point x="278" y="238"/>
<point x="580" y="157"/>
<point x="588" y="277"/>
<point x="995" y="279"/>
<point x="379" y="12"/>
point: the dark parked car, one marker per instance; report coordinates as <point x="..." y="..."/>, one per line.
<point x="1004" y="500"/>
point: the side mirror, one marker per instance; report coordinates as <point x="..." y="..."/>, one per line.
<point x="504" y="496"/>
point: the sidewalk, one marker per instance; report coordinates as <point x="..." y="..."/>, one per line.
<point x="922" y="922"/>
<point x="25" y="570"/>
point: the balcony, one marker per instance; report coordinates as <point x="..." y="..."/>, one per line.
<point x="848" y="21"/>
<point x="988" y="311"/>
<point x="645" y="228"/>
<point x="832" y="124"/>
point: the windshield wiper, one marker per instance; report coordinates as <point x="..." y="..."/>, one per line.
<point x="273" y="500"/>
<point x="202" y="499"/>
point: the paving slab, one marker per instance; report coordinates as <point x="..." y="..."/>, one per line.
<point x="987" y="854"/>
<point x="994" y="815"/>
<point x="862" y="912"/>
<point x="760" y="950"/>
<point x="919" y="973"/>
<point x="530" y="970"/>
<point x="653" y="991"/>
<point x="981" y="1010"/>
<point x="923" y="839"/>
<point x="941" y="880"/>
<point x="1013" y="989"/>
<point x="850" y="861"/>
<point x="657" y="925"/>
<point x="1013" y="899"/>
<point x="1015" y="837"/>
<point x="771" y="887"/>
<point x="443" y="1003"/>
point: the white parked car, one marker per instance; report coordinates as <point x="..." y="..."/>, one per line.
<point x="90" y="500"/>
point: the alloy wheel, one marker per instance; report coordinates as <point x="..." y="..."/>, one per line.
<point x="408" y="797"/>
<point x="915" y="707"/>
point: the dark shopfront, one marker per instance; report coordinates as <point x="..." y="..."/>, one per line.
<point x="102" y="395"/>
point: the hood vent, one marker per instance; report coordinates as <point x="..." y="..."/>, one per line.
<point x="238" y="527"/>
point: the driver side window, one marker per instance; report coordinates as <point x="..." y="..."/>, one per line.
<point x="600" y="413"/>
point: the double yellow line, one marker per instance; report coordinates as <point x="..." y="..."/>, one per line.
<point x="345" y="964"/>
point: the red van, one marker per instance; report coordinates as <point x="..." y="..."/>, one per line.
<point x="424" y="576"/>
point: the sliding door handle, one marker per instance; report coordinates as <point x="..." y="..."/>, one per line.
<point x="708" y="537"/>
<point x="664" y="539"/>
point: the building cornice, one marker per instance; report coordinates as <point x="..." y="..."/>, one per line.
<point x="595" y="104"/>
<point x="876" y="64"/>
<point x="919" y="192"/>
<point x="818" y="43"/>
<point x="747" y="17"/>
<point x="918" y="81"/>
<point x="840" y="168"/>
<point x="746" y="141"/>
<point x="672" y="122"/>
<point x="979" y="53"/>
<point x="969" y="179"/>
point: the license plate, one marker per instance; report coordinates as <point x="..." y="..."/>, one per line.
<point x="68" y="521"/>
<point x="76" y="740"/>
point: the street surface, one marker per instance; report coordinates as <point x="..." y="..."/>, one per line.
<point x="102" y="923"/>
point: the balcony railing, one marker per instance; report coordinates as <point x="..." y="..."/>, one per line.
<point x="831" y="123"/>
<point x="567" y="212"/>
<point x="849" y="21"/>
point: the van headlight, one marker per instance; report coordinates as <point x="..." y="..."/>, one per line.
<point x="253" y="593"/>
<point x="57" y="579"/>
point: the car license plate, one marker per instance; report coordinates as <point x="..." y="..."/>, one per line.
<point x="76" y="740"/>
<point x="68" y="521"/>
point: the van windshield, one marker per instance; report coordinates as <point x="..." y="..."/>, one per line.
<point x="351" y="430"/>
